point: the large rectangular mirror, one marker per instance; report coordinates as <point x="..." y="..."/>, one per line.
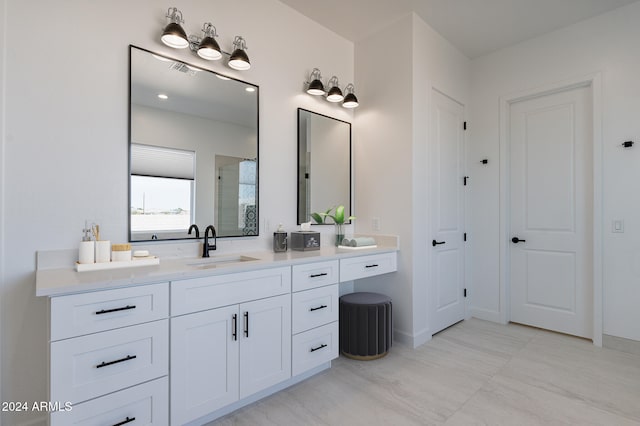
<point x="193" y="150"/>
<point x="324" y="164"/>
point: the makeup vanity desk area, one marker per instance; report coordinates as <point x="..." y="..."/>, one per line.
<point x="190" y="340"/>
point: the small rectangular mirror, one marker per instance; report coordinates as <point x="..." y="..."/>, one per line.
<point x="324" y="164"/>
<point x="193" y="150"/>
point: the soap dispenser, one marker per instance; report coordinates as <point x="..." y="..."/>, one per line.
<point x="279" y="240"/>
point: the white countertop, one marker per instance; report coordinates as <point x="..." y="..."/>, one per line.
<point x="51" y="281"/>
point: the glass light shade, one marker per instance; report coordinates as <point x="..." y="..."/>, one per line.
<point x="174" y="36"/>
<point x="335" y="94"/>
<point x="350" y="101"/>
<point x="239" y="60"/>
<point x="209" y="49"/>
<point x="316" y="88"/>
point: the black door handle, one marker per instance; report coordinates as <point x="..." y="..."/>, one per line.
<point x="234" y="324"/>
<point x="125" y="421"/>
<point x="437" y="243"/>
<point x="517" y="240"/>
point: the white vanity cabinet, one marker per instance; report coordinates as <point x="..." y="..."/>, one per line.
<point x="199" y="346"/>
<point x="224" y="354"/>
<point x="105" y="347"/>
<point x="315" y="315"/>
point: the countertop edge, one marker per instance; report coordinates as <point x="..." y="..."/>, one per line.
<point x="66" y="281"/>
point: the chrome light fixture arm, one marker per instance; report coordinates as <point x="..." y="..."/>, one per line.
<point x="174" y="15"/>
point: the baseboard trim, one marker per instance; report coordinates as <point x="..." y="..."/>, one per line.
<point x="621" y="344"/>
<point x="485" y="314"/>
<point x="258" y="396"/>
<point x="412" y="341"/>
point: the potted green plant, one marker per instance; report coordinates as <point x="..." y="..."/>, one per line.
<point x="338" y="220"/>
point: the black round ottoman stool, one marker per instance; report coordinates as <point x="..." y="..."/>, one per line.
<point x="366" y="327"/>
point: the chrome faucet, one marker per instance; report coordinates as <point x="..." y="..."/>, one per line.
<point x="194" y="226"/>
<point x="206" y="246"/>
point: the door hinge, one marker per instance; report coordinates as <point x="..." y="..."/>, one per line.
<point x="465" y="236"/>
<point x="465" y="292"/>
<point x="465" y="180"/>
<point x="464" y="126"/>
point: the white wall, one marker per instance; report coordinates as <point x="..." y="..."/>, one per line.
<point x="606" y="44"/>
<point x="3" y="26"/>
<point x="65" y="141"/>
<point x="390" y="149"/>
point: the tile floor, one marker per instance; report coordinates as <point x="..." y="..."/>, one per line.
<point x="474" y="373"/>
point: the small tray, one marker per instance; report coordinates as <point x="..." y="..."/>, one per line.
<point x="136" y="261"/>
<point x="357" y="248"/>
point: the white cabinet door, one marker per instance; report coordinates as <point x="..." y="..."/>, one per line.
<point x="204" y="362"/>
<point x="85" y="313"/>
<point x="313" y="308"/>
<point x="314" y="347"/>
<point x="355" y="268"/>
<point x="90" y="366"/>
<point x="265" y="343"/>
<point x="146" y="404"/>
<point x="313" y="275"/>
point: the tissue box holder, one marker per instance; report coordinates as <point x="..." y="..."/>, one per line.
<point x="305" y="240"/>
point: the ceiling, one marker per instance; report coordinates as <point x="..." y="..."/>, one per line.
<point x="475" y="27"/>
<point x="190" y="90"/>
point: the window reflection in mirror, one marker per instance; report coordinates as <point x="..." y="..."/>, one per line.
<point x="183" y="121"/>
<point x="324" y="164"/>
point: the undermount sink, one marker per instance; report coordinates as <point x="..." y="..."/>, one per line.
<point x="213" y="262"/>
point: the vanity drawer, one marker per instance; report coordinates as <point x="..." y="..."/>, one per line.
<point x="314" y="275"/>
<point x="200" y="294"/>
<point x="90" y="366"/>
<point x="314" y="347"/>
<point x="145" y="404"/>
<point x="313" y="308"/>
<point x="87" y="313"/>
<point x="367" y="266"/>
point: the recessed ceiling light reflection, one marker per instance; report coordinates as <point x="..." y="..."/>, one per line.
<point x="161" y="58"/>
<point x="163" y="96"/>
<point x="250" y="89"/>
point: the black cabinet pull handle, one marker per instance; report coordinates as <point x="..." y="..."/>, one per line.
<point x="319" y="307"/>
<point x="375" y="265"/>
<point x="517" y="240"/>
<point x="108" y="311"/>
<point x="437" y="243"/>
<point x="318" y="348"/>
<point x="125" y="421"/>
<point x="246" y="324"/>
<point x="118" y="361"/>
<point x="234" y="329"/>
<point x="324" y="274"/>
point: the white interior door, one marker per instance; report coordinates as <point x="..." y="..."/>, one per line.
<point x="447" y="201"/>
<point x="551" y="212"/>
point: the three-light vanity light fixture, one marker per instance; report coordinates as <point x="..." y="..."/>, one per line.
<point x="315" y="87"/>
<point x="204" y="46"/>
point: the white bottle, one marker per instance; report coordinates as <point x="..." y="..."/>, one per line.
<point x="86" y="252"/>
